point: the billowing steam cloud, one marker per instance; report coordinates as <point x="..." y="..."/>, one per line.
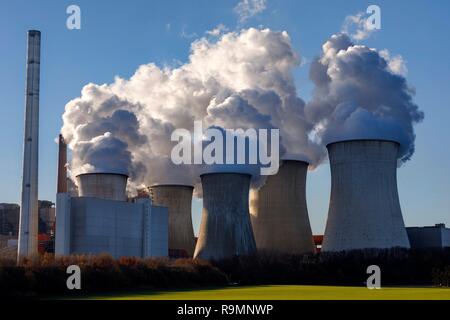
<point x="243" y="80"/>
<point x="360" y="93"/>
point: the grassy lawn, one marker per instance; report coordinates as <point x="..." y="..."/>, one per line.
<point x="287" y="293"/>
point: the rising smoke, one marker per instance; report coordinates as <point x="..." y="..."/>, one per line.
<point x="241" y="80"/>
<point x="360" y="93"/>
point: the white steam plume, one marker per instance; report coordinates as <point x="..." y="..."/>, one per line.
<point x="360" y="93"/>
<point x="242" y="80"/>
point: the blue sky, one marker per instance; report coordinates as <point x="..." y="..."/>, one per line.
<point x="118" y="36"/>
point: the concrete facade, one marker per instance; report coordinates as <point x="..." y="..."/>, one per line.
<point x="178" y="199"/>
<point x="92" y="226"/>
<point x="28" y="226"/>
<point x="279" y="212"/>
<point x="109" y="186"/>
<point x="225" y="229"/>
<point x="364" y="207"/>
<point x="9" y="219"/>
<point x="437" y="236"/>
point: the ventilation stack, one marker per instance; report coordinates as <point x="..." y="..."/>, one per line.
<point x="108" y="186"/>
<point x="279" y="212"/>
<point x="178" y="199"/>
<point x="62" y="166"/>
<point x="29" y="211"/>
<point x="364" y="206"/>
<point x="225" y="229"/>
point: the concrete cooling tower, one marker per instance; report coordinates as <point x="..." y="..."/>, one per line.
<point x="108" y="186"/>
<point x="364" y="206"/>
<point x="225" y="230"/>
<point x="279" y="213"/>
<point x="178" y="199"/>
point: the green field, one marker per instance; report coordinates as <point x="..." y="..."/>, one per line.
<point x="288" y="293"/>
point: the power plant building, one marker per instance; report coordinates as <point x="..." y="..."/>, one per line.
<point x="437" y="236"/>
<point x="279" y="212"/>
<point x="101" y="220"/>
<point x="178" y="199"/>
<point x="364" y="207"/>
<point x="225" y="229"/>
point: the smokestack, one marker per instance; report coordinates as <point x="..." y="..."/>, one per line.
<point x="108" y="186"/>
<point x="178" y="199"/>
<point x="225" y="230"/>
<point x="364" y="206"/>
<point x="62" y="169"/>
<point x="279" y="212"/>
<point x="28" y="230"/>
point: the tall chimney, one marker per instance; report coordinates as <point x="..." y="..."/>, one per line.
<point x="62" y="169"/>
<point x="28" y="229"/>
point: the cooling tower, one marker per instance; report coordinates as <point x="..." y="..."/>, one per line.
<point x="225" y="230"/>
<point x="364" y="206"/>
<point x="178" y="199"/>
<point x="28" y="226"/>
<point x="109" y="186"/>
<point x="279" y="213"/>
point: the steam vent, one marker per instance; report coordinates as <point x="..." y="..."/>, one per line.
<point x="364" y="206"/>
<point x="178" y="199"/>
<point x="225" y="230"/>
<point x="279" y="213"/>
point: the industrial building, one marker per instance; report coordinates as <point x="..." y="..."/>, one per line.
<point x="437" y="236"/>
<point x="225" y="229"/>
<point x="101" y="220"/>
<point x="9" y="219"/>
<point x="178" y="199"/>
<point x="279" y="213"/>
<point x="364" y="207"/>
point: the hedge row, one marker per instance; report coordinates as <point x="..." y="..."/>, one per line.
<point x="398" y="267"/>
<point x="47" y="275"/>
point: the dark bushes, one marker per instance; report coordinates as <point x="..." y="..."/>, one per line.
<point x="441" y="277"/>
<point x="47" y="275"/>
<point x="398" y="267"/>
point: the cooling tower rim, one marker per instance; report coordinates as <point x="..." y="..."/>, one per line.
<point x="227" y="173"/>
<point x="363" y="140"/>
<point x="102" y="173"/>
<point x="171" y="185"/>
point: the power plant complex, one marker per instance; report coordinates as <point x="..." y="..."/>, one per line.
<point x="100" y="217"/>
